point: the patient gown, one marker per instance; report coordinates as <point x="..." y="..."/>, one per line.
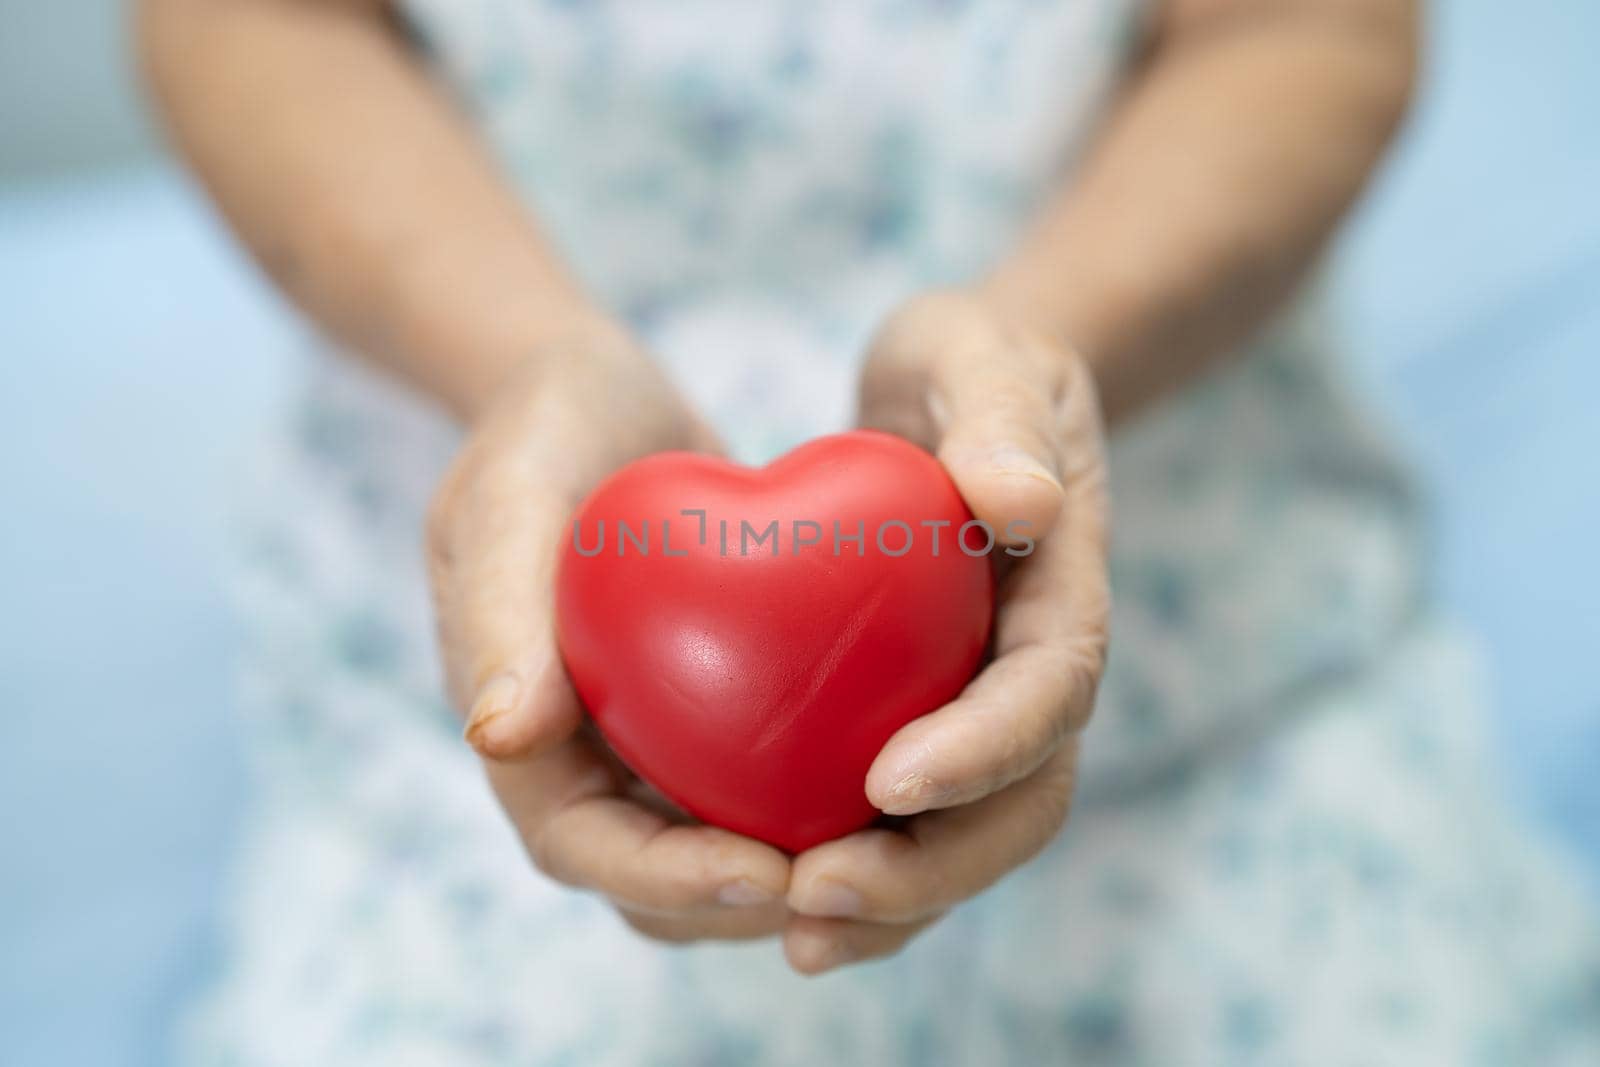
<point x="1290" y="846"/>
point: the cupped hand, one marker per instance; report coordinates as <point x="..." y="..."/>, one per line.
<point x="987" y="779"/>
<point x="580" y="409"/>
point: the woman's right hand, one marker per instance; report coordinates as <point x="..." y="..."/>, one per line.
<point x="574" y="413"/>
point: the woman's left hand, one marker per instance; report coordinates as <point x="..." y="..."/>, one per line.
<point x="987" y="779"/>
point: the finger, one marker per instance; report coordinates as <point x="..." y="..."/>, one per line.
<point x="940" y="858"/>
<point x="997" y="411"/>
<point x="731" y="924"/>
<point x="1051" y="633"/>
<point x="493" y="549"/>
<point x="579" y="831"/>
<point x="813" y="946"/>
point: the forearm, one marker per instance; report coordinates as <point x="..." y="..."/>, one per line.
<point x="358" y="188"/>
<point x="1239" y="143"/>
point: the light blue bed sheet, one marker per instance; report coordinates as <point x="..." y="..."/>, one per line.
<point x="135" y="356"/>
<point x="1471" y="290"/>
<point x="138" y="353"/>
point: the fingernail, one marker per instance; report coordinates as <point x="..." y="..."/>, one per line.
<point x="495" y="699"/>
<point x="1009" y="459"/>
<point x="829" y="900"/>
<point x="743" y="893"/>
<point x="911" y="794"/>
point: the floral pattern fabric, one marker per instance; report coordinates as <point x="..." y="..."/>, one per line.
<point x="1289" y="846"/>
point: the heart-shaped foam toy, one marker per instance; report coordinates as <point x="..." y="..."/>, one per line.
<point x="747" y="639"/>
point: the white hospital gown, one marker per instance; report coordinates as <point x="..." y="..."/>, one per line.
<point x="1290" y="846"/>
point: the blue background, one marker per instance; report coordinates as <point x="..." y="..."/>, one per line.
<point x="138" y="354"/>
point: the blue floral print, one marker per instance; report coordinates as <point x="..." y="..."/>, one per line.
<point x="1288" y="847"/>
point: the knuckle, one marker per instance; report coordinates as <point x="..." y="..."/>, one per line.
<point x="1076" y="397"/>
<point x="550" y="859"/>
<point x="938" y="891"/>
<point x="1024" y="746"/>
<point x="1082" y="666"/>
<point x="679" y="876"/>
<point x="899" y="897"/>
<point x="678" y="891"/>
<point x="921" y="888"/>
<point x="1015" y="412"/>
<point x="1058" y="781"/>
<point x="1077" y="658"/>
<point x="1086" y="654"/>
<point x="1073" y="673"/>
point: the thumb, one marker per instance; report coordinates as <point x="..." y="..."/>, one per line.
<point x="998" y="443"/>
<point x="493" y="577"/>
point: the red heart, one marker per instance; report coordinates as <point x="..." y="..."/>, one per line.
<point x="754" y="685"/>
